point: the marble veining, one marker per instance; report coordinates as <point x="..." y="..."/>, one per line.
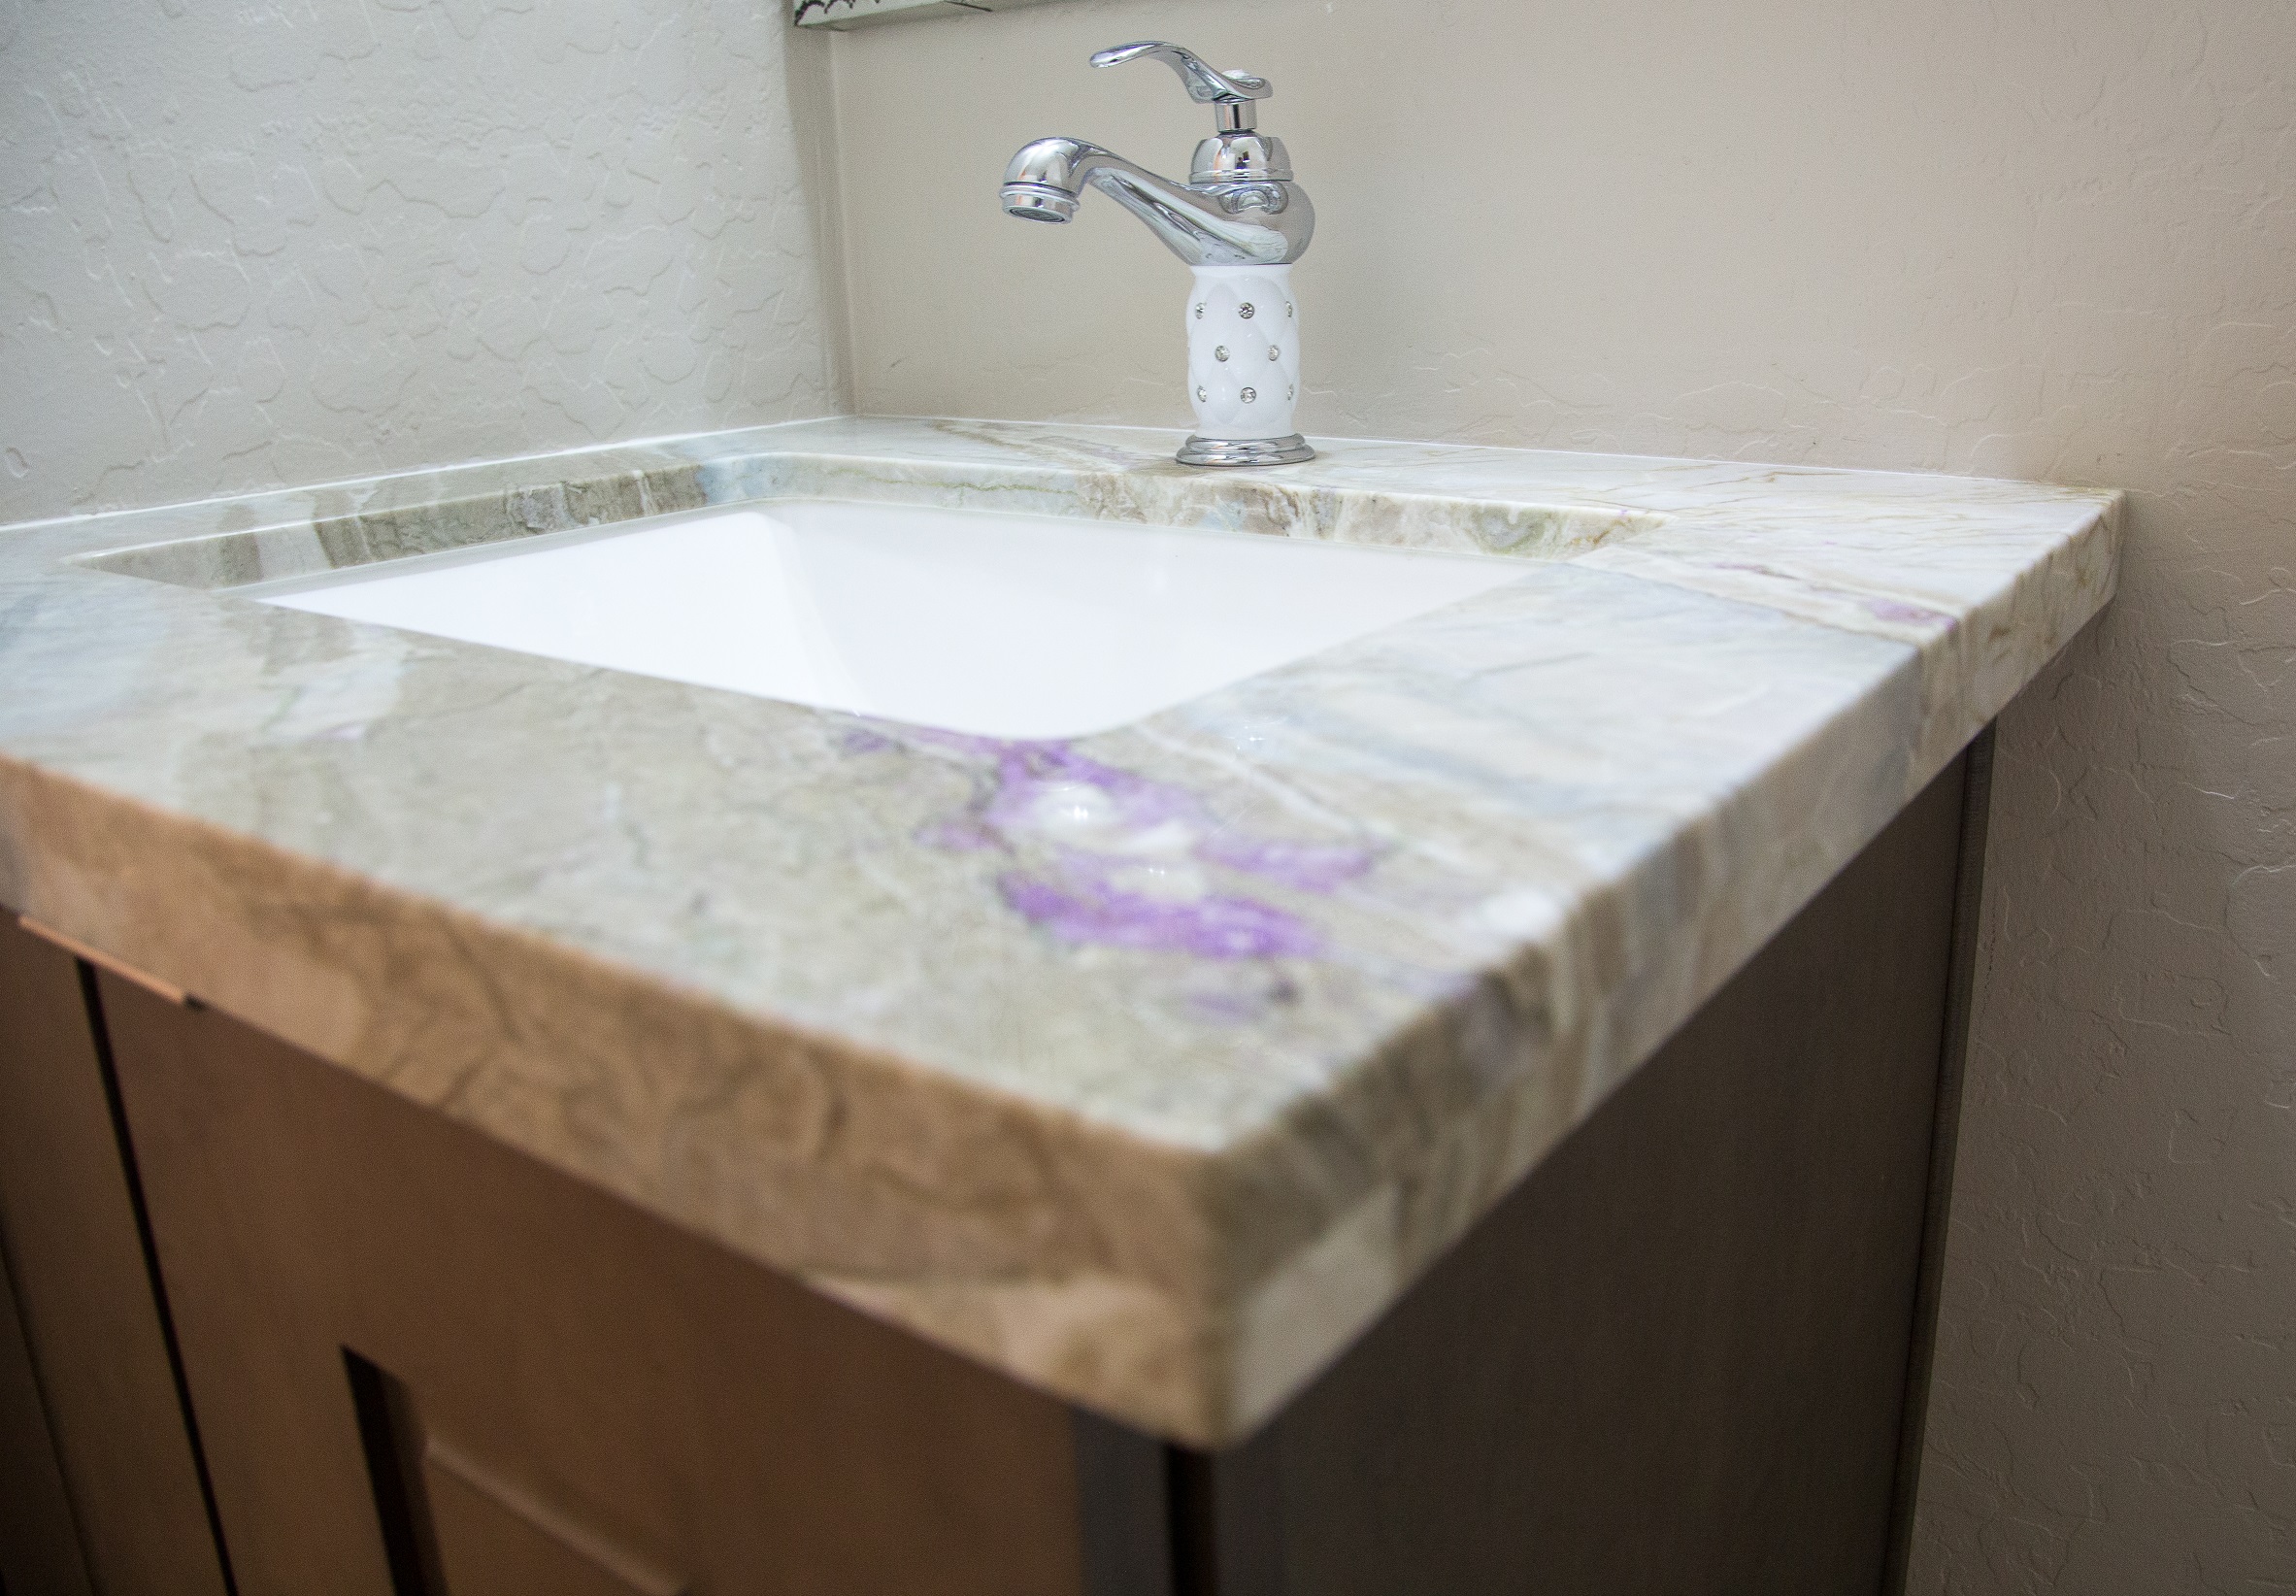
<point x="1147" y="1066"/>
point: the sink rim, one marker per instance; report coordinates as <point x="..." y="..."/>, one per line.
<point x="1533" y="528"/>
<point x="979" y="622"/>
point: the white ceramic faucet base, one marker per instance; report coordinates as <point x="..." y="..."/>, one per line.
<point x="1243" y="367"/>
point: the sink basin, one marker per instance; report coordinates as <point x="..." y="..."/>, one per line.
<point x="1021" y="626"/>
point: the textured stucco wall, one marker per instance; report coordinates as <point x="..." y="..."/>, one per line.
<point x="2006" y="237"/>
<point x="258" y="242"/>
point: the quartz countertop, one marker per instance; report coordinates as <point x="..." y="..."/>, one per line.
<point x="1148" y="1067"/>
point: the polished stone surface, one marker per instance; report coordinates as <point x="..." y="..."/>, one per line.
<point x="1147" y="1066"/>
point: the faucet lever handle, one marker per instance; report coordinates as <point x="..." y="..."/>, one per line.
<point x="1231" y="91"/>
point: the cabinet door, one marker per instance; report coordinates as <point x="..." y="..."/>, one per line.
<point x="92" y="1326"/>
<point x="39" y="1542"/>
<point x="423" y="1363"/>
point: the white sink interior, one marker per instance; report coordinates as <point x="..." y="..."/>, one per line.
<point x="1025" y="626"/>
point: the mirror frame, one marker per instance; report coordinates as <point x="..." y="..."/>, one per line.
<point x="840" y="16"/>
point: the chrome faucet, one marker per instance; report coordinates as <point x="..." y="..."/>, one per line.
<point x="1240" y="220"/>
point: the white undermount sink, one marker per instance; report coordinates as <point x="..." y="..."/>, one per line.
<point x="1021" y="626"/>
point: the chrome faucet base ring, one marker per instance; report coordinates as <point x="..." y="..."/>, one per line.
<point x="1245" y="451"/>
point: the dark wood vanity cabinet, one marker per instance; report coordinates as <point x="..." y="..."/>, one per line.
<point x="1680" y="1357"/>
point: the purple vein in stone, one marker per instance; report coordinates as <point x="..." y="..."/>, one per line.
<point x="1107" y="856"/>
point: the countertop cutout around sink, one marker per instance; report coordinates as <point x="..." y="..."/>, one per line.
<point x="1004" y="625"/>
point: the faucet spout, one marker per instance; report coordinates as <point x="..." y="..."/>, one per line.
<point x="1246" y="218"/>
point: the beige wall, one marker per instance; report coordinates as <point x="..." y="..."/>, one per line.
<point x="2027" y="238"/>
<point x="257" y="242"/>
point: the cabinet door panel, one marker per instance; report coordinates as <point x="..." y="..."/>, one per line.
<point x="572" y="1384"/>
<point x="39" y="1542"/>
<point x="67" y="1222"/>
